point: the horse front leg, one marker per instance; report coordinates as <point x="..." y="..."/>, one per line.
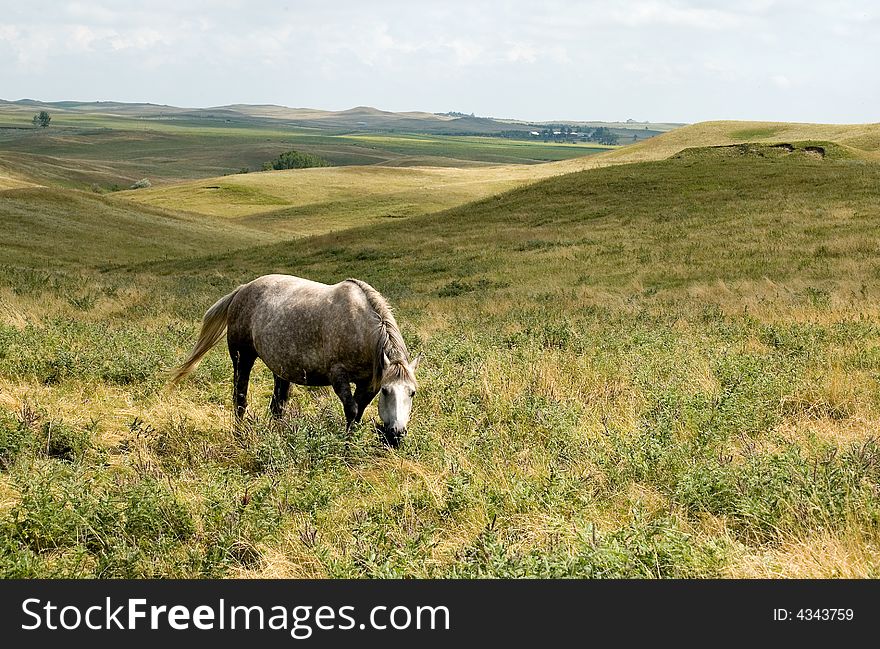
<point x="363" y="395"/>
<point x="342" y="388"/>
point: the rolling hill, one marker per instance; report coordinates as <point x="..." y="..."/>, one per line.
<point x="61" y="228"/>
<point x="297" y="201"/>
<point x="312" y="201"/>
<point x="359" y="118"/>
<point x="668" y="368"/>
<point x="110" y="147"/>
<point x="863" y="140"/>
<point x="557" y="220"/>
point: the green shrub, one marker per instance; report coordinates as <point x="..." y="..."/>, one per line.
<point x="296" y="160"/>
<point x="15" y="436"/>
<point x="64" y="442"/>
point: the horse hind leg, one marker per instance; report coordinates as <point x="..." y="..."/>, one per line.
<point x="279" y="397"/>
<point x="242" y="363"/>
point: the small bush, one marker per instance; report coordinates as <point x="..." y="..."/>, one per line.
<point x="64" y="442"/>
<point x="14" y="438"/>
<point x="458" y="287"/>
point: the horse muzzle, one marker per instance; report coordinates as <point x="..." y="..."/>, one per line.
<point x="391" y="435"/>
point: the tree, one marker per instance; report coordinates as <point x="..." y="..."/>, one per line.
<point x="42" y="119"/>
<point x="603" y="135"/>
<point x="295" y="160"/>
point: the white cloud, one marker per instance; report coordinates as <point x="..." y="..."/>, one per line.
<point x="591" y="59"/>
<point x="464" y="52"/>
<point x="521" y="53"/>
<point x="676" y="14"/>
<point x="781" y="81"/>
<point x="91" y="12"/>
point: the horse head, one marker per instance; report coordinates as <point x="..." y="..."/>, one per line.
<point x="396" y="397"/>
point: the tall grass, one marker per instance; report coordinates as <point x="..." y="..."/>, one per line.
<point x="659" y="370"/>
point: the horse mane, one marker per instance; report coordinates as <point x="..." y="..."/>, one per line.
<point x="389" y="341"/>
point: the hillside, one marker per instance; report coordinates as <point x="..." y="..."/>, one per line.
<point x="111" y="150"/>
<point x="12" y="180"/>
<point x="862" y="139"/>
<point x="297" y="202"/>
<point x="663" y="369"/>
<point x="559" y="219"/>
<point x="312" y="201"/>
<point x="48" y="228"/>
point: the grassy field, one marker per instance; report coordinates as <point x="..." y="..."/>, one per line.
<point x="660" y="369"/>
<point x="861" y="140"/>
<point x="110" y="151"/>
<point x="57" y="228"/>
<point x="303" y="202"/>
<point x="314" y="201"/>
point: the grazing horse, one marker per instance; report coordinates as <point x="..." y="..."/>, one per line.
<point x="314" y="334"/>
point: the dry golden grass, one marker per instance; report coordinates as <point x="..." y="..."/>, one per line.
<point x="114" y="407"/>
<point x="304" y="202"/>
<point x="288" y="558"/>
<point x="851" y="554"/>
<point x="8" y="181"/>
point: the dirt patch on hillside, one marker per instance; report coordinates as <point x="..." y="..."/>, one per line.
<point x="758" y="150"/>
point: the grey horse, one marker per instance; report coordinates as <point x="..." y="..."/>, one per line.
<point x="314" y="334"/>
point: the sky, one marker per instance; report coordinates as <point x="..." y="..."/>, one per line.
<point x="657" y="60"/>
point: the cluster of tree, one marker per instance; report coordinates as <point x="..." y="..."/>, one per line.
<point x="602" y="135"/>
<point x="453" y="113"/>
<point x="295" y="160"/>
<point x="563" y="133"/>
<point x="42" y="119"/>
<point x="517" y="134"/>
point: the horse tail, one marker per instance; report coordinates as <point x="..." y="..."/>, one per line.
<point x="213" y="326"/>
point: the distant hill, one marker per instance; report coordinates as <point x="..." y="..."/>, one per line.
<point x="359" y="118"/>
<point x="116" y="107"/>
<point x="861" y="140"/>
<point x="109" y="145"/>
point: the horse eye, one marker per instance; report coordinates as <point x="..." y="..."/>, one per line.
<point x="412" y="393"/>
<point x="385" y="391"/>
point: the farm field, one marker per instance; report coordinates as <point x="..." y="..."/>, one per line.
<point x="657" y="361"/>
<point x="112" y="150"/>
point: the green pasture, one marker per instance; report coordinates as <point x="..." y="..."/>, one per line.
<point x="110" y="152"/>
<point x="661" y="369"/>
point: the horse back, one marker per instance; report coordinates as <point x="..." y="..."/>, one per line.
<point x="301" y="329"/>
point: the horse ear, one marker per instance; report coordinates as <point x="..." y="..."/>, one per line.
<point x="385" y="360"/>
<point x="415" y="363"/>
